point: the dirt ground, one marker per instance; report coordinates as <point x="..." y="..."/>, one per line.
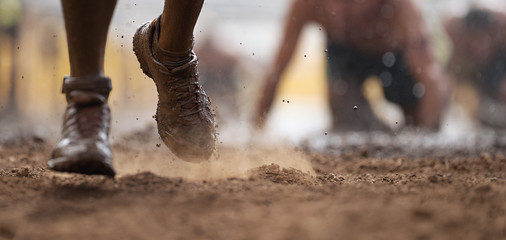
<point x="360" y="193"/>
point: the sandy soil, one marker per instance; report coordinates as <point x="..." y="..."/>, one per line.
<point x="254" y="194"/>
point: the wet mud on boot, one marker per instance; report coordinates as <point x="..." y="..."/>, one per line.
<point x="84" y="147"/>
<point x="184" y="116"/>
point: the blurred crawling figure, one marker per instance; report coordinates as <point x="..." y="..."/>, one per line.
<point x="164" y="49"/>
<point x="10" y="19"/>
<point x="479" y="58"/>
<point x="385" y="38"/>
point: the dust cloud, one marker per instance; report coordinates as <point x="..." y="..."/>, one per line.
<point x="143" y="151"/>
<point x="227" y="163"/>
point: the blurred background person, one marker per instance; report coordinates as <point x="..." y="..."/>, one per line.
<point x="383" y="38"/>
<point x="10" y="19"/>
<point x="479" y="59"/>
<point x="218" y="71"/>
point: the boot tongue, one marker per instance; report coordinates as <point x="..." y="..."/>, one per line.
<point x="84" y="98"/>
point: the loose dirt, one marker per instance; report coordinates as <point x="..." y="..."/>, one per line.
<point x="254" y="193"/>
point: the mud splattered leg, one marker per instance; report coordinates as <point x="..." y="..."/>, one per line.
<point x="84" y="147"/>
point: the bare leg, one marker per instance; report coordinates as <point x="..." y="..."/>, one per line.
<point x="84" y="147"/>
<point x="87" y="23"/>
<point x="178" y="21"/>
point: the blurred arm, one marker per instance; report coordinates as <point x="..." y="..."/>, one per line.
<point x="295" y="20"/>
<point x="424" y="67"/>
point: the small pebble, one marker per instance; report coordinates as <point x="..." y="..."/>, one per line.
<point x="355" y="108"/>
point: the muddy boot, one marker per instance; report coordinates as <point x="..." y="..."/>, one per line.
<point x="84" y="147"/>
<point x="184" y="117"/>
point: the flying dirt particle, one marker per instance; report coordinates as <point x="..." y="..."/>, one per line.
<point x="287" y="101"/>
<point x="283" y="100"/>
<point x="396" y="122"/>
<point x="326" y="133"/>
<point x="122" y="36"/>
<point x="355" y="108"/>
<point x="252" y="54"/>
<point x="22" y="77"/>
<point x="153" y="117"/>
<point x="304" y="55"/>
<point x="121" y="45"/>
<point x="326" y="50"/>
<point x="240" y="43"/>
<point x="158" y="145"/>
<point x="137" y="119"/>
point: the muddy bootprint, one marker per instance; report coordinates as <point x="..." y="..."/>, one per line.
<point x="84" y="147"/>
<point x="184" y="117"/>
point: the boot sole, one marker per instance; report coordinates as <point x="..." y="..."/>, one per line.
<point x="83" y="166"/>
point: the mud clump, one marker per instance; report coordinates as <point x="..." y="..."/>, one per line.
<point x="148" y="182"/>
<point x="286" y="176"/>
